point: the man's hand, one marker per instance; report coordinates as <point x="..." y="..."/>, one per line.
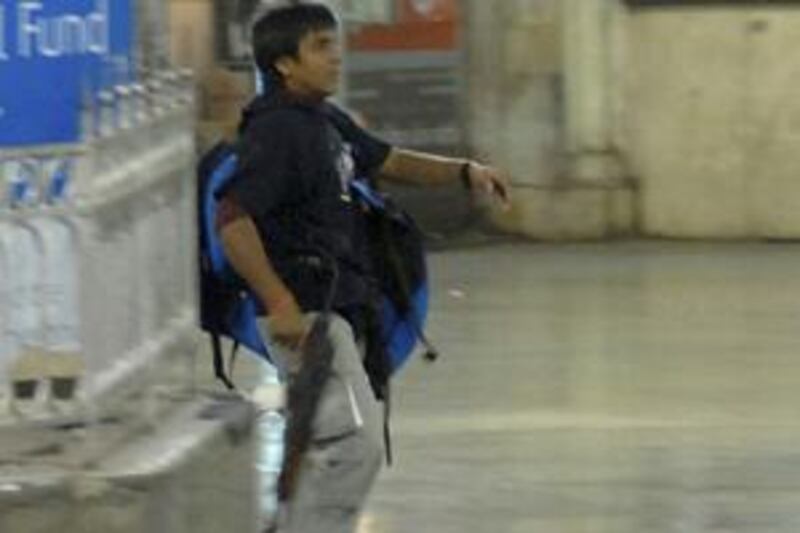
<point x="245" y="250"/>
<point x="491" y="182"/>
<point x="287" y="324"/>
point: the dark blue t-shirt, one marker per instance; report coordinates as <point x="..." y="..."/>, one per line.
<point x="296" y="163"/>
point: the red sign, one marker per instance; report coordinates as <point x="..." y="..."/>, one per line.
<point x="421" y="25"/>
<point x="427" y="10"/>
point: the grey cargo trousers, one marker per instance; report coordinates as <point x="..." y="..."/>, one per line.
<point x="347" y="444"/>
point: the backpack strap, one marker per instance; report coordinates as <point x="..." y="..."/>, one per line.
<point x="367" y="194"/>
<point x="387" y="429"/>
<point x="431" y="353"/>
<point x="219" y="364"/>
<point x="375" y="201"/>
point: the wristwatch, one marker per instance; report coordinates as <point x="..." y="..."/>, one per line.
<point x="464" y="174"/>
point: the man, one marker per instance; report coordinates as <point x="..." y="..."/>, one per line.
<point x="287" y="215"/>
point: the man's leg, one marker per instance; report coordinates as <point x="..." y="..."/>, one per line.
<point x="347" y="446"/>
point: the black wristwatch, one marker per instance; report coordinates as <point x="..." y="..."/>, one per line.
<point x="463" y="173"/>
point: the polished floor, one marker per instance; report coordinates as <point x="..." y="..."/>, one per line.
<point x="645" y="387"/>
<point x="615" y="388"/>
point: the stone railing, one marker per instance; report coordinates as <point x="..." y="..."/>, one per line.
<point x="97" y="245"/>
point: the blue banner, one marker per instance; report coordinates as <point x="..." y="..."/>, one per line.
<point x="54" y="54"/>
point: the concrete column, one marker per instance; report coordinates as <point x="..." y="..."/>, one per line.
<point x="543" y="104"/>
<point x="488" y="137"/>
<point x="152" y="21"/>
<point x="587" y="55"/>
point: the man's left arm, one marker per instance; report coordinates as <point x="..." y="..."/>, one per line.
<point x="420" y="168"/>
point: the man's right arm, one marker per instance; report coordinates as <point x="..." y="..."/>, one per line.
<point x="245" y="252"/>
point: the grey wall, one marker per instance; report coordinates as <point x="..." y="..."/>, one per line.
<point x="669" y="122"/>
<point x="514" y="75"/>
<point x="713" y="121"/>
<point x="541" y="107"/>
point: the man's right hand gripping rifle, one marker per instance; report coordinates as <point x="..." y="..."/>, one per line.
<point x="288" y="327"/>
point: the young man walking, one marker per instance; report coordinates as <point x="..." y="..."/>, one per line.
<point x="287" y="213"/>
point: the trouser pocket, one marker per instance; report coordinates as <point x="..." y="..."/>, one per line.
<point x="338" y="412"/>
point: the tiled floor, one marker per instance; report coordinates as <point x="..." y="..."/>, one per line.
<point x="618" y="388"/>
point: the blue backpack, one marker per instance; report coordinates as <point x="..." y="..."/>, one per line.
<point x="229" y="310"/>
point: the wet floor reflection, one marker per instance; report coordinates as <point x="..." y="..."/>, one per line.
<point x="636" y="387"/>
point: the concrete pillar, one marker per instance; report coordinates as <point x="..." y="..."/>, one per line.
<point x="484" y="78"/>
<point x="588" y="53"/>
<point x="152" y="21"/>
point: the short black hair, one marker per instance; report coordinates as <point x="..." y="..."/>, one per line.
<point x="278" y="32"/>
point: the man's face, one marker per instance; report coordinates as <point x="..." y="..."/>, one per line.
<point x="316" y="69"/>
